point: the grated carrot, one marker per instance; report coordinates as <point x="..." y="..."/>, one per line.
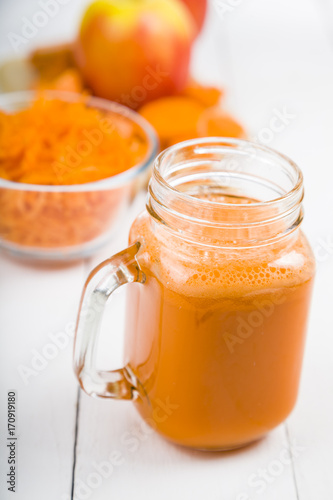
<point x="54" y="142"/>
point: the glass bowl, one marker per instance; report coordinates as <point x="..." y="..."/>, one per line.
<point x="64" y="222"/>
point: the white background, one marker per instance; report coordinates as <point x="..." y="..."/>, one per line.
<point x="269" y="55"/>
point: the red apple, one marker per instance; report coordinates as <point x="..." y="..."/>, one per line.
<point x="134" y="51"/>
<point x="198" y="8"/>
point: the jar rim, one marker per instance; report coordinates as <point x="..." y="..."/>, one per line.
<point x="228" y="141"/>
<point x="189" y="177"/>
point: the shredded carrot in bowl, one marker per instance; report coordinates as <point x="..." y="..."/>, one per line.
<point x="54" y="142"/>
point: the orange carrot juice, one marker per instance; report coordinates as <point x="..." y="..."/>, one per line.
<point x="216" y="335"/>
<point x="217" y="339"/>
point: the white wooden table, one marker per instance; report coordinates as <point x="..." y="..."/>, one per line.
<point x="273" y="56"/>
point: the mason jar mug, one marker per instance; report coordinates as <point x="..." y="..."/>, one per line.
<point x="220" y="278"/>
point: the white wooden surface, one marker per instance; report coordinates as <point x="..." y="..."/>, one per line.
<point x="271" y="55"/>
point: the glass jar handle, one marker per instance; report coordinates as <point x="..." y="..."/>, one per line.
<point x="119" y="270"/>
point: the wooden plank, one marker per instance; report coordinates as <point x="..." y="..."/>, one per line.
<point x="38" y="307"/>
<point x="118" y="458"/>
